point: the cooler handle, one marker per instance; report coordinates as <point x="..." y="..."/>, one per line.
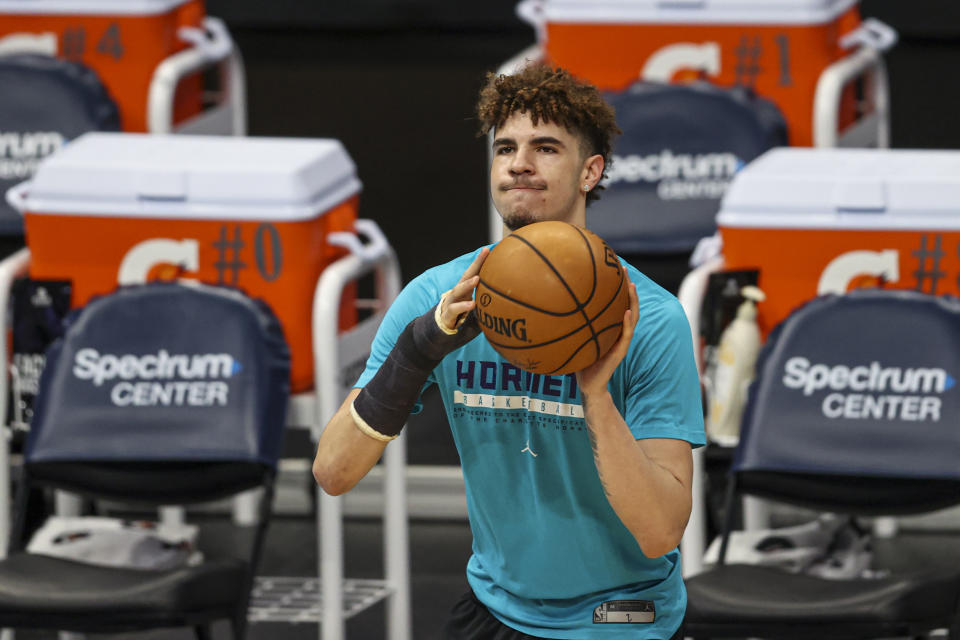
<point x="531" y="12"/>
<point x="213" y="40"/>
<point x="707" y="249"/>
<point x="871" y="33"/>
<point x="210" y="45"/>
<point x="17" y="196"/>
<point x="375" y="249"/>
<point x="873" y="37"/>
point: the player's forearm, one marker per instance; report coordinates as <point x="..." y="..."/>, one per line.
<point x="344" y="453"/>
<point x="370" y="417"/>
<point x="650" y="500"/>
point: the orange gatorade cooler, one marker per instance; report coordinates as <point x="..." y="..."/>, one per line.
<point x="818" y="221"/>
<point x="251" y="213"/>
<point x="779" y="48"/>
<point x="123" y="41"/>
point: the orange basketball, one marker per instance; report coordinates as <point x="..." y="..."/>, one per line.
<point x="551" y="298"/>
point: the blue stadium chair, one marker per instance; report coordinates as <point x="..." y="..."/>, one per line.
<point x="680" y="148"/>
<point x="160" y="394"/>
<point x="46" y="103"/>
<point x="854" y="411"/>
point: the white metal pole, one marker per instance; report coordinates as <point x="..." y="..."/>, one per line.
<point x="396" y="546"/>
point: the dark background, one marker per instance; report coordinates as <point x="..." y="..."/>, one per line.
<point x="396" y="80"/>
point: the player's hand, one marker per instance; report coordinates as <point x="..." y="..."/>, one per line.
<point x="459" y="302"/>
<point x="594" y="379"/>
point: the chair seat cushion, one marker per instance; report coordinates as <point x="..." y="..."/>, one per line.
<point x="33" y="583"/>
<point x="736" y="593"/>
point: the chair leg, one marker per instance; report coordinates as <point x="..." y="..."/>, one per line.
<point x="203" y="632"/>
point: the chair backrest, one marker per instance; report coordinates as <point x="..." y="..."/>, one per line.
<point x="856" y="406"/>
<point x="162" y="393"/>
<point x="46" y="102"/>
<point x="681" y="146"/>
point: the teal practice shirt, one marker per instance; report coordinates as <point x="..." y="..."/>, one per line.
<point x="548" y="549"/>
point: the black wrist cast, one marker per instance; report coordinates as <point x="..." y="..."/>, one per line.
<point x="383" y="405"/>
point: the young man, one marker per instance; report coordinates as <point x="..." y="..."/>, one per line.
<point x="576" y="515"/>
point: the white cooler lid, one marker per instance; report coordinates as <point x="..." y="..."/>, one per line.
<point x="89" y="7"/>
<point x="806" y="188"/>
<point x="695" y="11"/>
<point x="206" y="177"/>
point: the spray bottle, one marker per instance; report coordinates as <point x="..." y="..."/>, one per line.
<point x="736" y="359"/>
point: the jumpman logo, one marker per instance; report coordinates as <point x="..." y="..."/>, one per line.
<point x="527" y="449"/>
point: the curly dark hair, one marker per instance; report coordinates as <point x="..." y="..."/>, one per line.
<point x="552" y="95"/>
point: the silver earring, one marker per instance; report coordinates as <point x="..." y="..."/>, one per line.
<point x="586" y="187"/>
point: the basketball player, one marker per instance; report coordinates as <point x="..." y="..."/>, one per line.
<point x="578" y="486"/>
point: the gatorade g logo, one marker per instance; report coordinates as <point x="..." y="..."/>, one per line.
<point x="871" y="391"/>
<point x="666" y="63"/>
<point x="507" y="327"/>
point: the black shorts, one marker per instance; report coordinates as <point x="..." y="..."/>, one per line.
<point x="471" y="620"/>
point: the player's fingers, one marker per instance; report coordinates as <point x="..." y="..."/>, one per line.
<point x="634" y="305"/>
<point x="630" y="317"/>
<point x="457" y="309"/>
<point x="454" y="311"/>
<point x="474" y="267"/>
<point x="464" y="289"/>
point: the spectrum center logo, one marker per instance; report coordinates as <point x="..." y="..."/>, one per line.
<point x="160" y="379"/>
<point x="871" y="391"/>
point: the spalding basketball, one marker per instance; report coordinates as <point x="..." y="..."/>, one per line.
<point x="551" y="298"/>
